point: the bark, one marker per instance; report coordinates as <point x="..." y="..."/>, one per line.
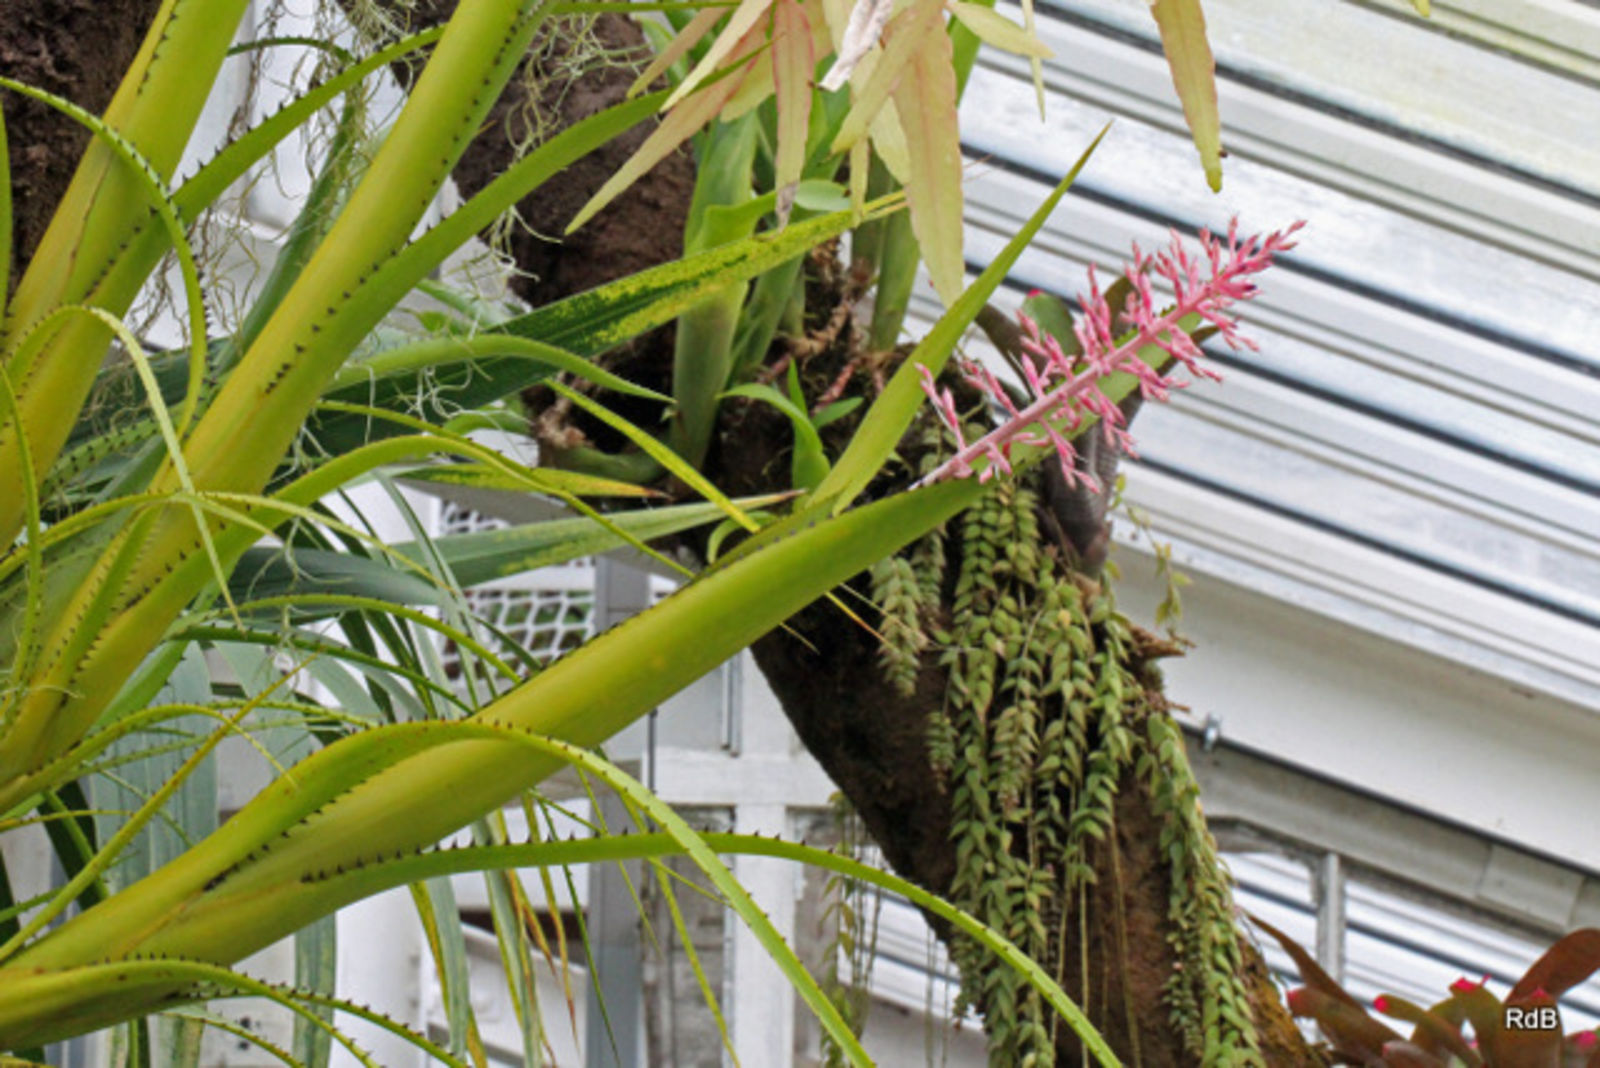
<point x="641" y="228"/>
<point x="873" y="743"/>
<point x="77" y="49"/>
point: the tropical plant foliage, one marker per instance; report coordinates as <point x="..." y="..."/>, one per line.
<point x="1470" y="1028"/>
<point x="134" y="493"/>
<point x="161" y="510"/>
<point x="905" y="66"/>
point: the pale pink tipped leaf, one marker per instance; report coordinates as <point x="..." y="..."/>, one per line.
<point x="878" y="76"/>
<point x="925" y="99"/>
<point x="728" y="44"/>
<point x="678" y="47"/>
<point x="793" y="63"/>
<point x="757" y="86"/>
<point x="676" y="127"/>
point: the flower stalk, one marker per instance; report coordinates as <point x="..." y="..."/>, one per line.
<point x="1066" y="387"/>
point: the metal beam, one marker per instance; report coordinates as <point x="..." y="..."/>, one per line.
<point x="1252" y="800"/>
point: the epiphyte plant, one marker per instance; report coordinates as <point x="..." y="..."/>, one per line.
<point x="117" y="550"/>
<point x="109" y="558"/>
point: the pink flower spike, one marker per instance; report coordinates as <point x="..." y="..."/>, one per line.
<point x="1381" y="1004"/>
<point x="1063" y="390"/>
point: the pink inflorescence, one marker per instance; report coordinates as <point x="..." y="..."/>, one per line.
<point x="1067" y="389"/>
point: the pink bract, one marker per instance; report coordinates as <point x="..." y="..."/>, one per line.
<point x="1065" y="389"/>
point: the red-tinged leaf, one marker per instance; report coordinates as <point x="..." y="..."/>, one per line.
<point x="1311" y="972"/>
<point x="817" y="18"/>
<point x="793" y="64"/>
<point x="1583" y="1049"/>
<point x="676" y="127"/>
<point x="755" y="90"/>
<point x="1527" y="1047"/>
<point x="1194" y="75"/>
<point x="1407" y="1055"/>
<point x="877" y="75"/>
<point x="1450" y="1010"/>
<point x="1434" y="1033"/>
<point x="1474" y="1003"/>
<point x="836" y="13"/>
<point x="925" y="99"/>
<point x="686" y="39"/>
<point x="1345" y="1024"/>
<point x="732" y="38"/>
<point x="1570" y="961"/>
<point x="889" y="143"/>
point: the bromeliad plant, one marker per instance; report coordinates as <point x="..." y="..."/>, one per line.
<point x="1063" y="387"/>
<point x="124" y="526"/>
<point x="906" y="64"/>
<point x="1047" y="717"/>
<point x="752" y="78"/>
<point x="1521" y="1030"/>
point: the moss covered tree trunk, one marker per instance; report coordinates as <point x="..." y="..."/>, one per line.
<point x="1113" y="938"/>
<point x="1117" y="951"/>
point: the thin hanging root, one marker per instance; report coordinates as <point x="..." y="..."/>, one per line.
<point x="874" y="363"/>
<point x="836" y="388"/>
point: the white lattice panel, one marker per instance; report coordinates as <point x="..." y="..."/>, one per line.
<point x="548" y="612"/>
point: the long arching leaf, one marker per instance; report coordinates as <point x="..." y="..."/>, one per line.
<point x="1194" y="75"/>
